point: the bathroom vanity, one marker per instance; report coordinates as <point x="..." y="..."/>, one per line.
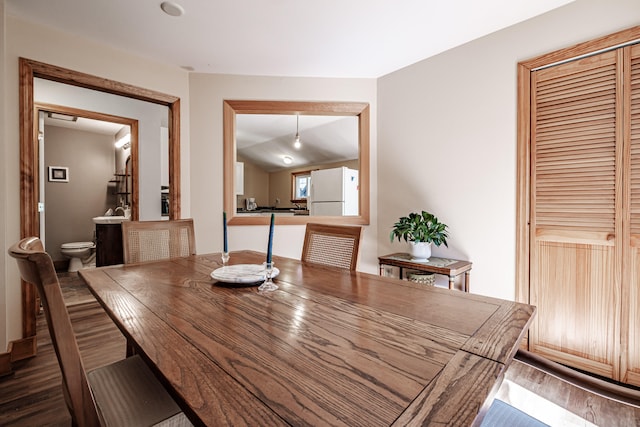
<point x="108" y="244"/>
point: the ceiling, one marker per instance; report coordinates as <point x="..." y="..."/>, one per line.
<point x="322" y="38"/>
<point x="303" y="38"/>
<point x="265" y="139"/>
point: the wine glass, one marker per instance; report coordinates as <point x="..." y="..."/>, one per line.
<point x="225" y="259"/>
<point x="268" y="284"/>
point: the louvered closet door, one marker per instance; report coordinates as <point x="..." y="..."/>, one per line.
<point x="576" y="182"/>
<point x="631" y="294"/>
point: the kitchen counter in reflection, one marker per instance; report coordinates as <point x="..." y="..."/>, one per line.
<point x="276" y="212"/>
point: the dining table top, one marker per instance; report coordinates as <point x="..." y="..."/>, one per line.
<point x="328" y="347"/>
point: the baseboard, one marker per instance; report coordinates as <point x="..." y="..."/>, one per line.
<point x="23" y="348"/>
<point x="616" y="391"/>
<point x="5" y="364"/>
<point x="17" y="350"/>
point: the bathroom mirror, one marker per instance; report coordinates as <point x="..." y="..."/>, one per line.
<point x="294" y="113"/>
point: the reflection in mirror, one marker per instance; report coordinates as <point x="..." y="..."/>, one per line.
<point x="274" y="147"/>
<point x="266" y="172"/>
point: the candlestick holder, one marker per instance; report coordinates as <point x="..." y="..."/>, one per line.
<point x="225" y="259"/>
<point x="268" y="284"/>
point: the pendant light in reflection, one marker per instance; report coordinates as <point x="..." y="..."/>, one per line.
<point x="296" y="142"/>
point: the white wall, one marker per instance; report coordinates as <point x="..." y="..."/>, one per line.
<point x="57" y="48"/>
<point x="447" y="136"/>
<point x="207" y="93"/>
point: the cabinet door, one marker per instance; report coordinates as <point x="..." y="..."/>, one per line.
<point x="576" y="224"/>
<point x="108" y="244"/>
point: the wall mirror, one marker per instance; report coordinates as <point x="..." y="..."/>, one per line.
<point x="261" y="162"/>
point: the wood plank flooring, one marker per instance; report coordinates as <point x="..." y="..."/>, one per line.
<point x="572" y="396"/>
<point x="32" y="395"/>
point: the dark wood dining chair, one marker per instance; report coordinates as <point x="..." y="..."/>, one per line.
<point x="332" y="245"/>
<point x="125" y="393"/>
<point x="157" y="240"/>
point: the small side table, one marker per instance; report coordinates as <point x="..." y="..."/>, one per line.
<point x="445" y="266"/>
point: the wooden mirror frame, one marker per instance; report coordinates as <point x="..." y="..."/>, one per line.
<point x="231" y="108"/>
<point x="29" y="223"/>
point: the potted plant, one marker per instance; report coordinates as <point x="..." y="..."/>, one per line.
<point x="420" y="230"/>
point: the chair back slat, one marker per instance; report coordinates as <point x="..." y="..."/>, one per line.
<point x="332" y="245"/>
<point x="36" y="267"/>
<point x="156" y="240"/>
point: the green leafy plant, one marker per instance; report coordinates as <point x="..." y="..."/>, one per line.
<point x="420" y="227"/>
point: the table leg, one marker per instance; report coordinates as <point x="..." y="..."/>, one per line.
<point x="466" y="281"/>
<point x="451" y="282"/>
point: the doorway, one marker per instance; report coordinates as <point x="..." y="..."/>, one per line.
<point x="84" y="144"/>
<point x="29" y="155"/>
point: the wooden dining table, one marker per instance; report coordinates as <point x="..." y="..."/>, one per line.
<point x="329" y="347"/>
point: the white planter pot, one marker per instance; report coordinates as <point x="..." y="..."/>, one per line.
<point x="420" y="251"/>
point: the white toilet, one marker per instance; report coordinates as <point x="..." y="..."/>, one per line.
<point x="80" y="254"/>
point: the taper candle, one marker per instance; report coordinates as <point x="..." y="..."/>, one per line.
<point x="270" y="245"/>
<point x="224" y="225"/>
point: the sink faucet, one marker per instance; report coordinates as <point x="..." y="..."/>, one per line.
<point x="120" y="208"/>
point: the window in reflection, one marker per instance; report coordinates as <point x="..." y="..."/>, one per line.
<point x="301" y="185"/>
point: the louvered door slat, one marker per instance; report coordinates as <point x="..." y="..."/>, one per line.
<point x="581" y="85"/>
<point x="588" y="129"/>
<point x="570" y="144"/>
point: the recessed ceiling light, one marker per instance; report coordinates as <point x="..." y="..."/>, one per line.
<point x="287" y="160"/>
<point x="171" y="8"/>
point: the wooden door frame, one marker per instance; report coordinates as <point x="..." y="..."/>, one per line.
<point x="29" y="175"/>
<point x="125" y="121"/>
<point x="523" y="183"/>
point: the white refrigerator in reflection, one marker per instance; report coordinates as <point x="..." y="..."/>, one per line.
<point x="333" y="192"/>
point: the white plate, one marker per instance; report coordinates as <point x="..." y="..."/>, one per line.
<point x="242" y="273"/>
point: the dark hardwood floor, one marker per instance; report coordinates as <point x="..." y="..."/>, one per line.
<point x="32" y="395"/>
